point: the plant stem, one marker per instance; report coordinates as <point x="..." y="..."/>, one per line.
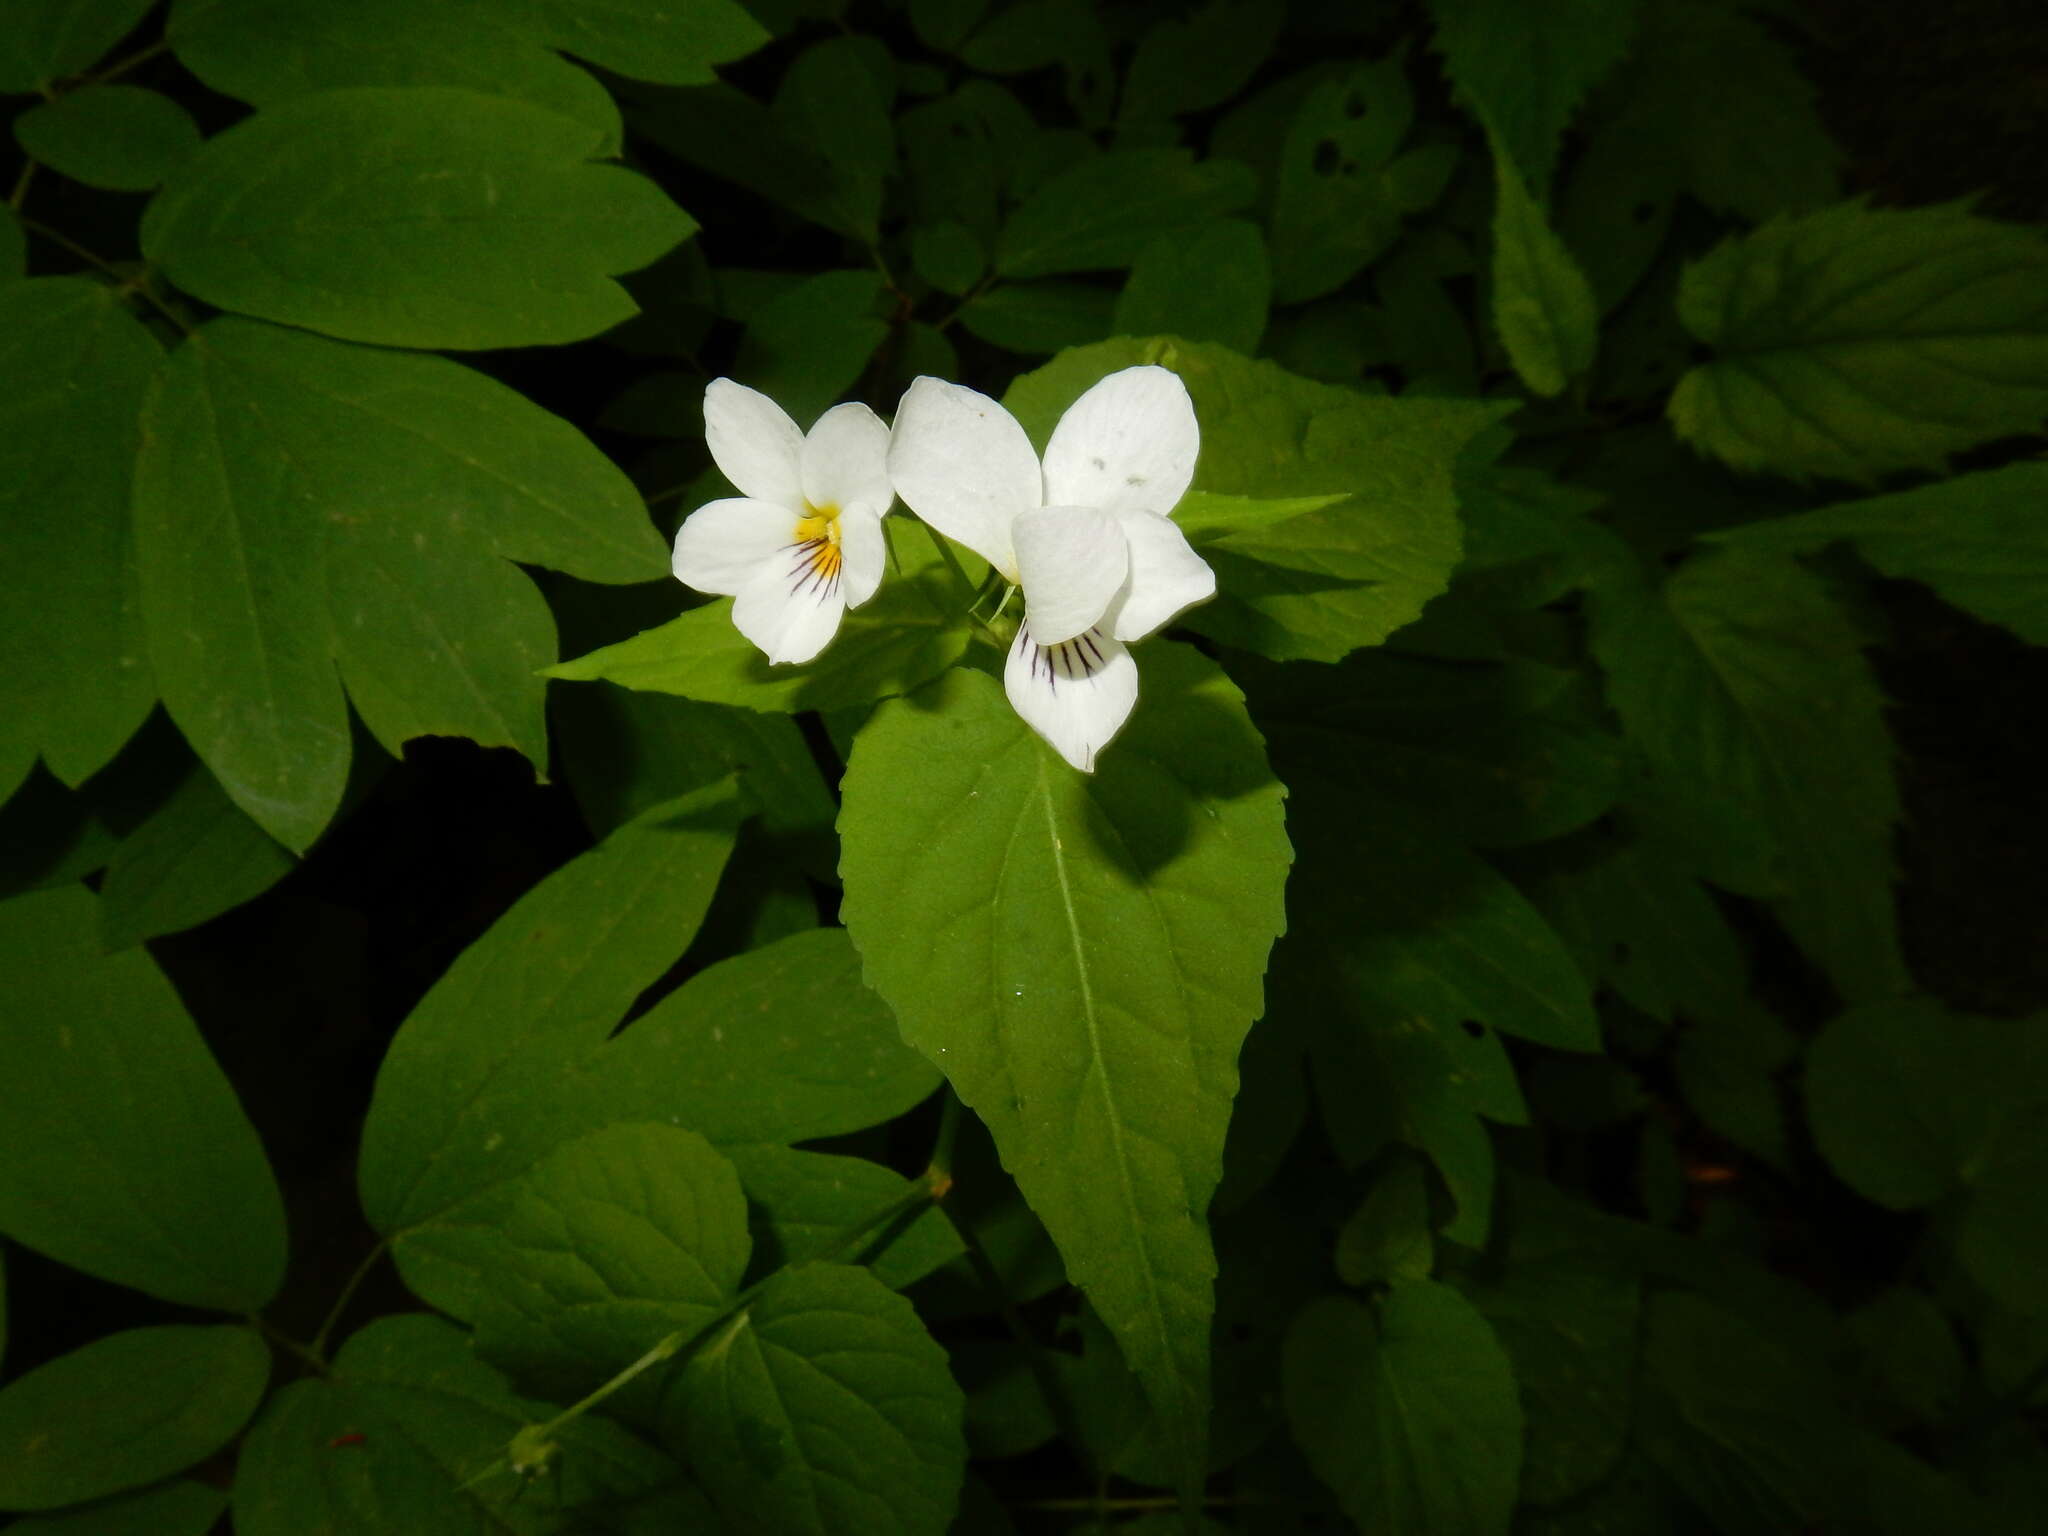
<point x="128" y="282"/>
<point x="121" y="67"/>
<point x="21" y="184"/>
<point x="348" y="1294"/>
<point x="288" y="1344"/>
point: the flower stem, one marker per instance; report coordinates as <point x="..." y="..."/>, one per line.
<point x="348" y="1294"/>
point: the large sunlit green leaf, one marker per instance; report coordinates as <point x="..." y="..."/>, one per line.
<point x="1407" y="1410"/>
<point x="802" y="1205"/>
<point x="409" y="1416"/>
<point x="910" y="631"/>
<point x="1743" y="683"/>
<point x="123" y="1151"/>
<point x="1314" y="587"/>
<point x="118" y="137"/>
<point x="1105" y="210"/>
<point x="311" y="514"/>
<point x="1855" y="341"/>
<point x="1525" y="65"/>
<point x="124" y="1411"/>
<point x="74" y="682"/>
<point x="1081" y="956"/>
<point x="1978" y="540"/>
<point x="266" y="51"/>
<point x="431" y="217"/>
<point x="44" y="40"/>
<point x="825" y="1409"/>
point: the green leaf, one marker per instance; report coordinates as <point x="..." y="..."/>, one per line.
<point x="1389" y="1236"/>
<point x="118" y="137"/>
<point x="193" y="859"/>
<point x="1081" y="955"/>
<point x="1205" y="516"/>
<point x="180" y="1508"/>
<point x="44" y="40"/>
<point x="1904" y="1096"/>
<point x="808" y="347"/>
<point x="275" y="570"/>
<point x="1040" y="317"/>
<point x="1214" y="285"/>
<point x="1524" y="65"/>
<point x="832" y="101"/>
<point x="609" y="1243"/>
<point x="1569" y="1326"/>
<point x="2003" y="1240"/>
<point x="122" y="1149"/>
<point x="1542" y="305"/>
<point x="947" y="255"/>
<point x="718" y="129"/>
<point x="803" y="1204"/>
<point x="543" y="988"/>
<point x="1855" y="341"/>
<point x="907" y="633"/>
<point x="1340" y="194"/>
<point x="1319" y="586"/>
<point x="1977" y="540"/>
<point x="659" y="40"/>
<point x="1104" y="211"/>
<point x="1408" y="1413"/>
<point x="431" y="217"/>
<point x="1744" y="685"/>
<point x="124" y="1411"/>
<point x="267" y="51"/>
<point x="1496" y="755"/>
<point x="77" y="366"/>
<point x="1747" y="1429"/>
<point x="1912" y="1363"/>
<point x="824" y="1408"/>
<point x="408" y="1416"/>
<point x="1202" y="61"/>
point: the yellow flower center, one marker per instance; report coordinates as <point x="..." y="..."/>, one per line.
<point x="817" y="547"/>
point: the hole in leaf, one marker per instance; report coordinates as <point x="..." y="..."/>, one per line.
<point x="1644" y="212"/>
<point x="1241" y="1333"/>
<point x="1621" y="952"/>
<point x="1474" y="1028"/>
<point x="1353" y="107"/>
<point x="1325" y="162"/>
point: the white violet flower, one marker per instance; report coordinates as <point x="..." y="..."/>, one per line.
<point x="802" y="542"/>
<point x="1088" y="537"/>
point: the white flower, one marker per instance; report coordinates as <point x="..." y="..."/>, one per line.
<point x="1088" y="538"/>
<point x="802" y="543"/>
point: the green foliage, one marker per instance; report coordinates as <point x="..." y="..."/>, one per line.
<point x="1529" y="1021"/>
<point x="124" y="1411"/>
<point x="1854" y="341"/>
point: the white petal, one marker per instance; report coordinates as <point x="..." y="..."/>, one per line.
<point x="791" y="617"/>
<point x="863" y="551"/>
<point x="961" y="462"/>
<point x="846" y="459"/>
<point x="1167" y="576"/>
<point x="1075" y="695"/>
<point x="1072" y="562"/>
<point x="724" y="544"/>
<point x="756" y="446"/>
<point x="1130" y="441"/>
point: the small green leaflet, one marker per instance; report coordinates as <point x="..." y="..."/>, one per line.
<point x="108" y="1071"/>
<point x="671" y="42"/>
<point x="806" y="348"/>
<point x="1318" y="586"/>
<point x="1082" y="956"/>
<point x="1389" y="1237"/>
<point x="1855" y="341"/>
<point x="267" y="51"/>
<point x="909" y="632"/>
<point x="45" y="40"/>
<point x="831" y="99"/>
<point x="1524" y="65"/>
<point x="409" y="1415"/>
<point x="1039" y="317"/>
<point x="194" y="858"/>
<point x="1542" y="304"/>
<point x="178" y="1508"/>
<point x="276" y="568"/>
<point x="431" y="217"/>
<point x="1214" y="285"/>
<point x="1407" y="1410"/>
<point x="117" y="137"/>
<point x="1185" y="65"/>
<point x="1104" y="211"/>
<point x="1978" y="540"/>
<point x="126" y="1410"/>
<point x="1743" y="683"/>
<point x="78" y="366"/>
<point x="824" y="1409"/>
